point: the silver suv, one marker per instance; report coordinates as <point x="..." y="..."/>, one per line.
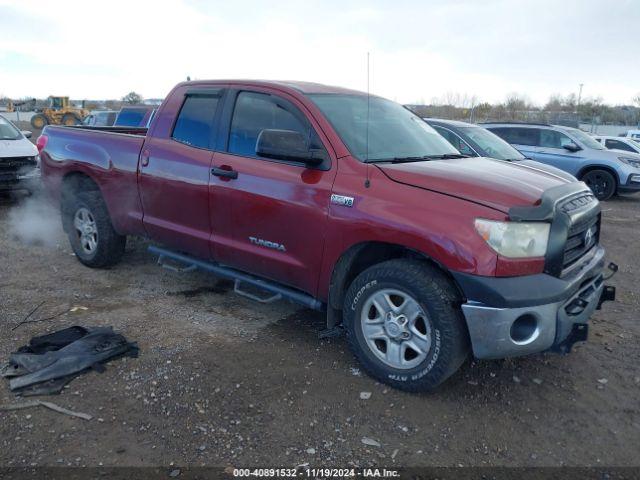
<point x="606" y="172"/>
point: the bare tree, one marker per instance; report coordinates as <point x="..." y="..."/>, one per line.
<point x="636" y="100"/>
<point x="132" y="97"/>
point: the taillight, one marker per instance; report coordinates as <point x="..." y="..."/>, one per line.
<point x="41" y="142"/>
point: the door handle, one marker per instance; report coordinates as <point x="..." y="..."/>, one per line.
<point x="144" y="158"/>
<point x="224" y="173"/>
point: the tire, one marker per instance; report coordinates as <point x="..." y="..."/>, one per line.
<point x="601" y="182"/>
<point x="438" y="330"/>
<point x="100" y="246"/>
<point x="39" y="121"/>
<point x="70" y="119"/>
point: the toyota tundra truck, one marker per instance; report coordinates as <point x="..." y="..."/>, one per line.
<point x="347" y="203"/>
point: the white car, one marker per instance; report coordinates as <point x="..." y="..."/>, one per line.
<point x="633" y="135"/>
<point x="625" y="144"/>
<point x="19" y="159"/>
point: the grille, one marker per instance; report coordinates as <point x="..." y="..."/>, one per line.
<point x="583" y="236"/>
<point x="578" y="202"/>
<point x="13" y="165"/>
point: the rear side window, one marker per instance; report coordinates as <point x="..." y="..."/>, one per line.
<point x="618" y="145"/>
<point x="194" y="125"/>
<point x="517" y="135"/>
<point x="255" y="112"/>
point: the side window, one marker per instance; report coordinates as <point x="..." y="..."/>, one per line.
<point x="194" y="125"/>
<point x="553" y="139"/>
<point x="255" y="112"/>
<point x="455" y="140"/>
<point x="518" y="136"/>
<point x="525" y="136"/>
<point x="618" y="145"/>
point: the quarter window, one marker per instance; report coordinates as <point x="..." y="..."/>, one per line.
<point x="195" y="120"/>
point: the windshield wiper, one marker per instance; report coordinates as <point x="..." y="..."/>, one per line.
<point x="424" y="158"/>
<point x="446" y="156"/>
<point x="398" y="159"/>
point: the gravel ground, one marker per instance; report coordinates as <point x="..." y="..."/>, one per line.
<point x="223" y="381"/>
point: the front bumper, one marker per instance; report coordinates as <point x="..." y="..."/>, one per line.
<point x="632" y="185"/>
<point x="30" y="180"/>
<point x="515" y="316"/>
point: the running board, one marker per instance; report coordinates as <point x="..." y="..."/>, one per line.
<point x="278" y="290"/>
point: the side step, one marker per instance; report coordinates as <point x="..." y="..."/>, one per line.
<point x="277" y="290"/>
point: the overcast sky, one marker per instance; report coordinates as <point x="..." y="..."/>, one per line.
<point x="420" y="50"/>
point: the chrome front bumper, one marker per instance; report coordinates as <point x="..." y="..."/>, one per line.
<point x="515" y="331"/>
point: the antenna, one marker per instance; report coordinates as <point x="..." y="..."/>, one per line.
<point x="366" y="155"/>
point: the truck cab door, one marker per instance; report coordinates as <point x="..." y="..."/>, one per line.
<point x="278" y="208"/>
<point x="174" y="171"/>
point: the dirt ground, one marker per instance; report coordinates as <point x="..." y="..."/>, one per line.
<point x="224" y="381"/>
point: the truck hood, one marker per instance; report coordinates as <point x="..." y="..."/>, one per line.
<point x="494" y="183"/>
<point x="17" y="148"/>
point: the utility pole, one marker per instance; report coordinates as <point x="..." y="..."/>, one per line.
<point x="579" y="96"/>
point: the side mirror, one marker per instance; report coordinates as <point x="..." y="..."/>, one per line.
<point x="572" y="147"/>
<point x="286" y="145"/>
<point x="26" y="133"/>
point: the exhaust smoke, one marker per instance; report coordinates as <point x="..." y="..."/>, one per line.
<point x="35" y="221"/>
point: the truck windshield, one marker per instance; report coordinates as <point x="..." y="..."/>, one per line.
<point x="8" y="131"/>
<point x="393" y="132"/>
<point x="490" y="143"/>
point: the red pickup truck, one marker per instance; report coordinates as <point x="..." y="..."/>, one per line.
<point x="348" y="203"/>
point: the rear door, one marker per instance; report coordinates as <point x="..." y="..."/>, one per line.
<point x="174" y="171"/>
<point x="279" y="208"/>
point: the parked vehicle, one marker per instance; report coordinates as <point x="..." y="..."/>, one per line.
<point x="19" y="159"/>
<point x="138" y="116"/>
<point x="475" y="141"/>
<point x="345" y="203"/>
<point x="100" y="118"/>
<point x="606" y="172"/>
<point x="621" y="144"/>
<point x="633" y="134"/>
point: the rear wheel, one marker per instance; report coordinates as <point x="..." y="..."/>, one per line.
<point x="70" y="119"/>
<point x="91" y="234"/>
<point x="404" y="324"/>
<point x="39" y="121"/>
<point x="601" y="183"/>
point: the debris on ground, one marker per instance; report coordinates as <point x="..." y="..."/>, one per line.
<point x="49" y="362"/>
<point x="371" y="442"/>
<point x="49" y="405"/>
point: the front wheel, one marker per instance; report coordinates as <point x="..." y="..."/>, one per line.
<point x="91" y="234"/>
<point x="601" y="183"/>
<point x="39" y="121"/>
<point x="404" y="324"/>
<point x="69" y="119"/>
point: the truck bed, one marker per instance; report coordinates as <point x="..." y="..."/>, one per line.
<point x="107" y="155"/>
<point x="124" y="130"/>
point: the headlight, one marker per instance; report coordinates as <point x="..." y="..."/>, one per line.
<point x="515" y="239"/>
<point x="634" y="162"/>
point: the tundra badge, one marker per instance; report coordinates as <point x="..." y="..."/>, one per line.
<point x="267" y="243"/>
<point x="341" y="200"/>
